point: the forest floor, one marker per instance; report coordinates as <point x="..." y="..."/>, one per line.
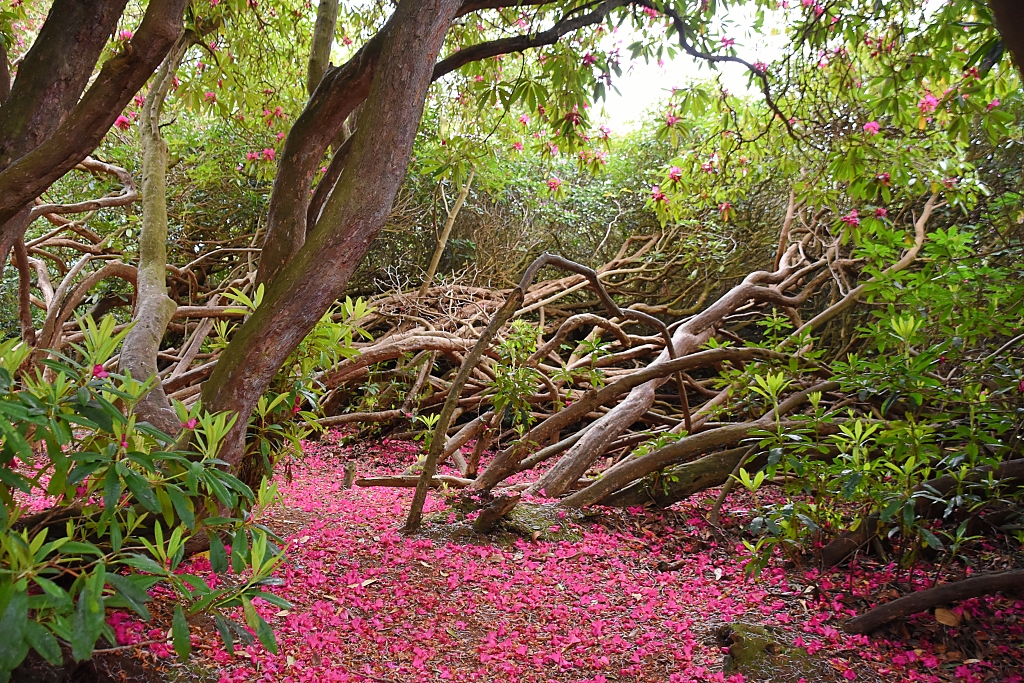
<point x="371" y="604"/>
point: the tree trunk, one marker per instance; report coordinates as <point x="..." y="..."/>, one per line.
<point x="317" y="275"/>
<point x="1009" y="15"/>
<point x="28" y="330"/>
<point x="11" y="233"/>
<point x="154" y="308"/>
<point x="323" y="37"/>
<point x="342" y="89"/>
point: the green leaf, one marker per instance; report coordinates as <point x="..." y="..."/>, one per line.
<point x="133" y="595"/>
<point x="146" y="564"/>
<point x="141" y="489"/>
<point x="81" y="548"/>
<point x="111" y="489"/>
<point x="88" y="620"/>
<point x="218" y="555"/>
<point x="262" y="628"/>
<point x="275" y="600"/>
<point x="43" y="642"/>
<point x="60" y="597"/>
<point x="179" y="632"/>
<point x="239" y="551"/>
<point x="181" y="506"/>
<point x="225" y="634"/>
<point x="13" y="647"/>
<point x="931" y="539"/>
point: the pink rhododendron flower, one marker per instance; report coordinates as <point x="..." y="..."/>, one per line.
<point x="123" y="122"/>
<point x="657" y="195"/>
<point x="268" y="154"/>
<point x="993" y="104"/>
<point x="190" y="424"/>
<point x="99" y="372"/>
<point x="524" y="119"/>
<point x="724" y="210"/>
<point x="671" y="120"/>
<point x="589" y="59"/>
<point x="139" y="100"/>
<point x="851" y="218"/>
<point x="675" y="174"/>
<point x="707" y="167"/>
<point x="883" y="178"/>
<point x="881" y="212"/>
<point x="517" y="146"/>
<point x="727" y="42"/>
<point x="928" y="103"/>
<point x="252" y="156"/>
<point x="125" y="35"/>
<point x="871" y="127"/>
<point x="554" y="182"/>
<point x="210" y="96"/>
<point x="760" y="66"/>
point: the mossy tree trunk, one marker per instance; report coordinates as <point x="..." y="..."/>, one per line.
<point x="153" y="309"/>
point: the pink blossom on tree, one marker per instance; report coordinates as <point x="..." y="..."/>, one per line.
<point x="928" y="103"/>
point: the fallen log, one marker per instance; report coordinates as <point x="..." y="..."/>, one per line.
<point x="410" y="480"/>
<point x="630" y="470"/>
<point x="976" y="586"/>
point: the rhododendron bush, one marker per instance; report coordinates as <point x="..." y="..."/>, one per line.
<point x="98" y="508"/>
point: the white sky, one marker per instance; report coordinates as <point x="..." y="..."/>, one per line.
<point x="643" y="85"/>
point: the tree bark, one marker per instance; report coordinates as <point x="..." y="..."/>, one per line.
<point x="11" y="234"/>
<point x="154" y="308"/>
<point x="340" y="90"/>
<point x="515" y="299"/>
<point x="311" y="281"/>
<point x="506" y="463"/>
<point x="687" y="479"/>
<point x="630" y="470"/>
